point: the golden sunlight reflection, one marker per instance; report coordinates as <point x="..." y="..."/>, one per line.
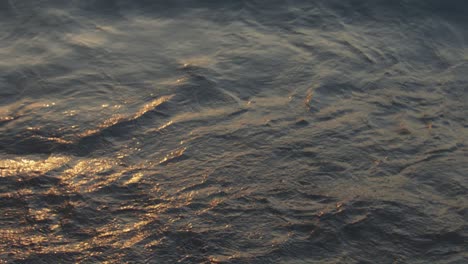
<point x="11" y="167"/>
<point x="115" y="119"/>
<point x="160" y="128"/>
<point x="82" y="176"/>
<point x="90" y="39"/>
<point x="198" y="61"/>
<point x="89" y="175"/>
<point x="136" y="177"/>
<point x="6" y="118"/>
<point x="174" y="81"/>
<point x="151" y="106"/>
<point x="119" y="118"/>
<point x="173" y="155"/>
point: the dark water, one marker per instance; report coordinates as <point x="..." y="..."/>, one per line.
<point x="233" y="131"/>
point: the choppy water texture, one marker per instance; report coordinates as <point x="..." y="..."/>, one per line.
<point x="233" y="131"/>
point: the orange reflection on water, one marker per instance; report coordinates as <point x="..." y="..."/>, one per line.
<point x="119" y="118"/>
<point x="6" y="118"/>
<point x="85" y="172"/>
<point x="11" y="167"/>
<point x="151" y="106"/>
<point x="173" y="155"/>
<point x="115" y="119"/>
<point x="162" y="127"/>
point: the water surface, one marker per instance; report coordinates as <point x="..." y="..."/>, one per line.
<point x="233" y="131"/>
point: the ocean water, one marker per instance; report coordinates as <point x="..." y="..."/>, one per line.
<point x="248" y="131"/>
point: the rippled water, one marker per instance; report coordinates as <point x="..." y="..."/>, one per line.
<point x="233" y="131"/>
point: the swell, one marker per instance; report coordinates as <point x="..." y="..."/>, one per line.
<point x="193" y="93"/>
<point x="30" y="142"/>
<point x="233" y="132"/>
